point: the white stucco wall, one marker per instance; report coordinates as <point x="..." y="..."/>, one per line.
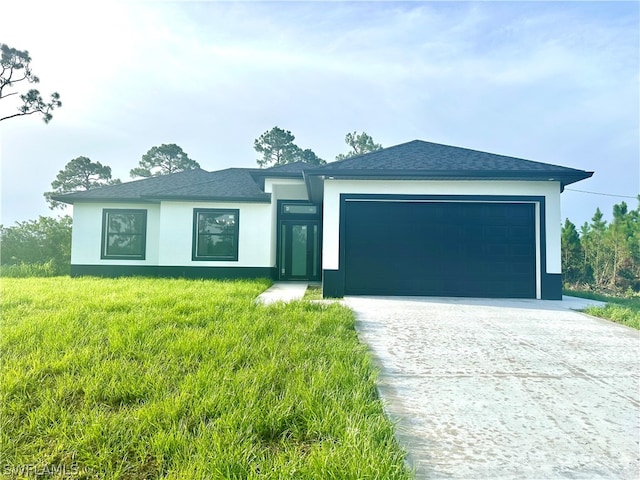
<point x="282" y="189"/>
<point x="170" y="230"/>
<point x="86" y="236"/>
<point x="286" y="188"/>
<point x="333" y="189"/>
<point x="176" y="234"/>
<point x="170" y="234"/>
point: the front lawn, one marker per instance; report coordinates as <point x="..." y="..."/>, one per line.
<point x="184" y="379"/>
<point x="618" y="309"/>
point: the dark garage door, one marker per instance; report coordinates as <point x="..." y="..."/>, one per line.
<point x="440" y="248"/>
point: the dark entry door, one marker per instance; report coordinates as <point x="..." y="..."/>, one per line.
<point x="299" y="255"/>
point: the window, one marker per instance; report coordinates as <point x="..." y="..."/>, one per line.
<point x="299" y="208"/>
<point x="124" y="234"/>
<point x="215" y="234"/>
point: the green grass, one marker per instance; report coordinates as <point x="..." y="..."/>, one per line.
<point x="618" y="309"/>
<point x="313" y="292"/>
<point x="185" y="379"/>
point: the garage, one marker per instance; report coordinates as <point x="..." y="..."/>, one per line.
<point x="439" y="248"/>
<point x="422" y="218"/>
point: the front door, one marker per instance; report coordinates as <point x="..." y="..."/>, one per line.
<point x="299" y="253"/>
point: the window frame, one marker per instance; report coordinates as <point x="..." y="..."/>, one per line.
<point x="104" y="249"/>
<point x="288" y="209"/>
<point x="196" y="235"/>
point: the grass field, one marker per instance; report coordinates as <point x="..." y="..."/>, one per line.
<point x="184" y="379"/>
<point x="621" y="310"/>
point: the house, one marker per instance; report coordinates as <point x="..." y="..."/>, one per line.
<point x="414" y="219"/>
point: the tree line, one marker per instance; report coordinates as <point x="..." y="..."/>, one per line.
<point x="275" y="146"/>
<point x="81" y="174"/>
<point x="602" y="256"/>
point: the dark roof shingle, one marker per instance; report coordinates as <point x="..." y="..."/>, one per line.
<point x="422" y="159"/>
<point x="233" y="184"/>
<point x="136" y="189"/>
<point x="416" y="159"/>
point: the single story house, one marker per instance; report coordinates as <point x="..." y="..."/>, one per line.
<point x="414" y="219"/>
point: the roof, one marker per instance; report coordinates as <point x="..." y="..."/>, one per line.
<point x="416" y="159"/>
<point x="135" y="190"/>
<point x="421" y="159"/>
<point x="233" y="184"/>
<point x="288" y="170"/>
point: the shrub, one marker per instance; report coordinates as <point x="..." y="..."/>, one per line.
<point x="36" y="247"/>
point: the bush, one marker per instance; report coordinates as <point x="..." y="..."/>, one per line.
<point x="36" y="247"/>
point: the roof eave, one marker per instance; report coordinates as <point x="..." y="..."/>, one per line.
<point x="77" y="199"/>
<point x="569" y="179"/>
<point x="265" y="198"/>
<point x="277" y="174"/>
<point x="315" y="187"/>
<point x="544" y="175"/>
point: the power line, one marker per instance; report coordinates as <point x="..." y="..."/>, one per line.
<point x="599" y="193"/>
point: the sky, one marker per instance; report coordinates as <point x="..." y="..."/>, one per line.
<point x="555" y="82"/>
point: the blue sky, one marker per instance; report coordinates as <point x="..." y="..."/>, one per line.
<point x="555" y="82"/>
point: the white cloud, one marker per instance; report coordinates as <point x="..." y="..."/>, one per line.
<point x="546" y="81"/>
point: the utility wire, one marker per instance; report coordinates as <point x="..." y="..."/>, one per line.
<point x="599" y="193"/>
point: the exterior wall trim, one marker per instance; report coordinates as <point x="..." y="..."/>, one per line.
<point x="173" y="271"/>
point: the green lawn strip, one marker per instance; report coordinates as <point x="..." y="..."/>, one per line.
<point x="160" y="378"/>
<point x="313" y="292"/>
<point x="618" y="309"/>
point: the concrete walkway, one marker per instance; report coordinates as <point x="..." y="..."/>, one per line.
<point x="283" y="292"/>
<point x="502" y="389"/>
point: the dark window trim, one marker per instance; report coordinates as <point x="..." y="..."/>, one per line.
<point x="104" y="255"/>
<point x="284" y="204"/>
<point x="298" y="216"/>
<point x="215" y="258"/>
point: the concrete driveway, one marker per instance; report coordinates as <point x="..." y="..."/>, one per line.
<point x="489" y="389"/>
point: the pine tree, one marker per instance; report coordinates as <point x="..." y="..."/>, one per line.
<point x="572" y="265"/>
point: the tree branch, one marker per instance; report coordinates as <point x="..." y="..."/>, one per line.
<point x="7" y="95"/>
<point x="33" y="103"/>
<point x="13" y="60"/>
<point x="18" y="115"/>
